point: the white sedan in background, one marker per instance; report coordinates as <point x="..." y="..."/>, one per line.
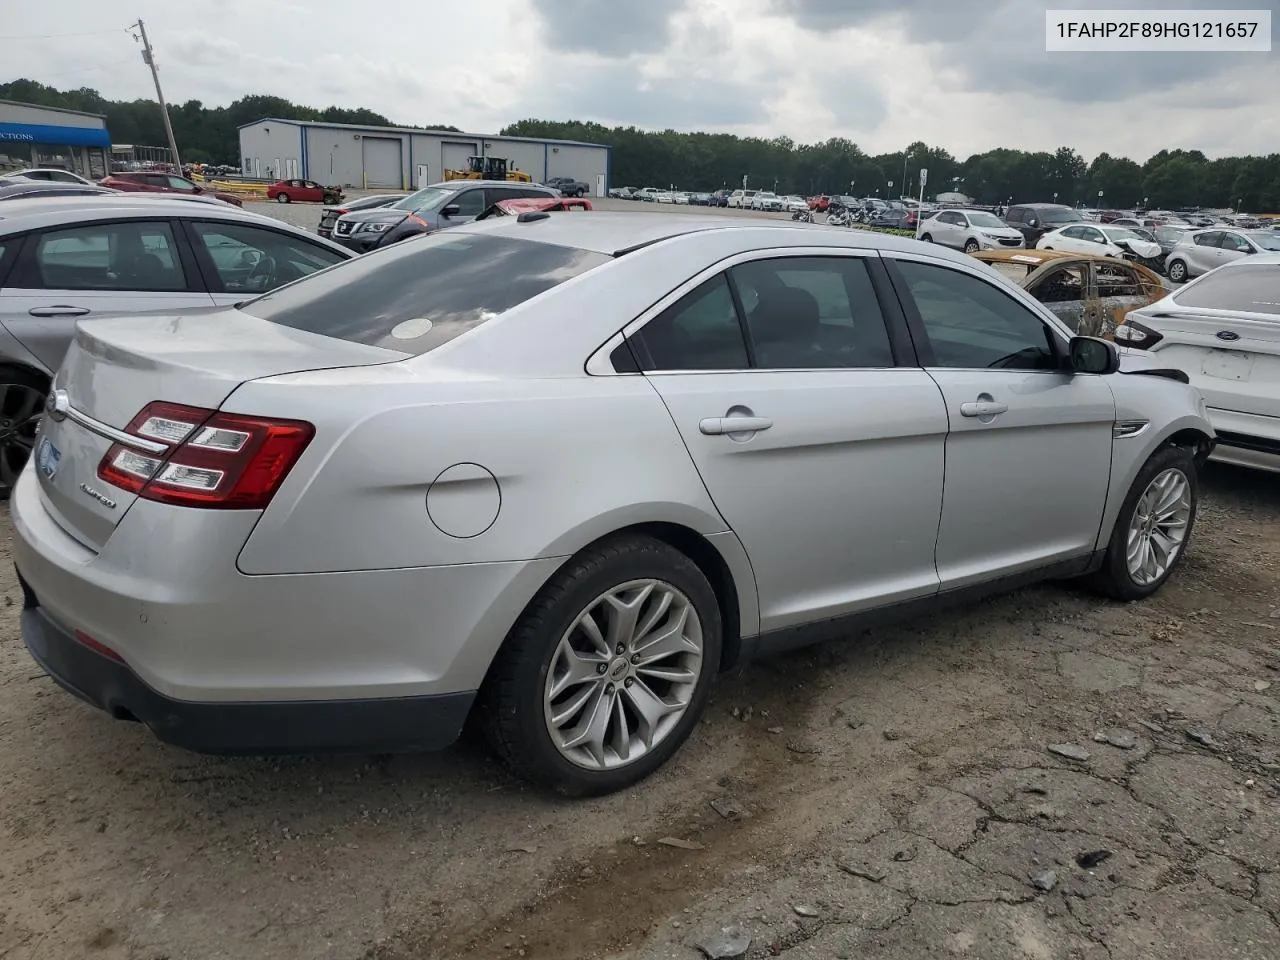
<point x="1223" y="330"/>
<point x="766" y="200"/>
<point x="793" y="204"/>
<point x="1097" y="239"/>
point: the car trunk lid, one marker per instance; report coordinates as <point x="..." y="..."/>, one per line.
<point x="115" y="367"/>
<point x="1233" y="361"/>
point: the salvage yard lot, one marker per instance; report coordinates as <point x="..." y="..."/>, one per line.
<point x="888" y="796"/>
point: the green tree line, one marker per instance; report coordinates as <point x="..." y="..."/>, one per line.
<point x="707" y="161"/>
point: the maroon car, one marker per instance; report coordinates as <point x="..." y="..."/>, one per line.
<point x="153" y="182"/>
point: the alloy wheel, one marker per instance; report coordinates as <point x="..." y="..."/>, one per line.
<point x="21" y="407"/>
<point x="623" y="674"/>
<point x="1158" y="527"/>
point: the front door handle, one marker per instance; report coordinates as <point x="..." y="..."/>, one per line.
<point x="720" y="426"/>
<point x="58" y="310"/>
<point x="983" y="408"/>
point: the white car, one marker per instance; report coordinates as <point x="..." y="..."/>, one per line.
<point x="680" y="197"/>
<point x="49" y="175"/>
<point x="1199" y="251"/>
<point x="741" y="198"/>
<point x="970" y="231"/>
<point x="1223" y="330"/>
<point x="794" y="204"/>
<point x="766" y="200"/>
<point x="1100" y="238"/>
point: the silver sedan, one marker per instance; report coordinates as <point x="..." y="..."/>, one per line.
<point x="559" y="472"/>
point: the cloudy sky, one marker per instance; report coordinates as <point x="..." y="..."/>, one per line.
<point x="968" y="75"/>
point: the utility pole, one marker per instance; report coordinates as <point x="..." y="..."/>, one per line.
<point x="148" y="57"/>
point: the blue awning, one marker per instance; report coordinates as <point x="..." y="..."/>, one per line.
<point x="55" y="136"/>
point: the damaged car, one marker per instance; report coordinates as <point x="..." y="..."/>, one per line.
<point x="1091" y="294"/>
<point x="1103" y="239"/>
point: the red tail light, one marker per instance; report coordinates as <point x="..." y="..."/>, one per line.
<point x="211" y="459"/>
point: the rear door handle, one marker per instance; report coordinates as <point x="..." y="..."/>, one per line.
<point x="982" y="408"/>
<point x="58" y="310"/>
<point x="719" y="426"/>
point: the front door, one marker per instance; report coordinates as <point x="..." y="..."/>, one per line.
<point x="824" y="457"/>
<point x="1029" y="450"/>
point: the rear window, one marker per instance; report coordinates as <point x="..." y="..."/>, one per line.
<point x="422" y="293"/>
<point x="1251" y="288"/>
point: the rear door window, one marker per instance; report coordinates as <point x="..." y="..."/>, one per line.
<point x="444" y="284"/>
<point x="139" y="256"/>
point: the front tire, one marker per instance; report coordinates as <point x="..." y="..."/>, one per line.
<point x="1177" y="271"/>
<point x="608" y="670"/>
<point x="1153" y="529"/>
<point x="971" y="246"/>
<point x="927" y="237"/>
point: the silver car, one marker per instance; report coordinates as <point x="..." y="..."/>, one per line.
<point x="970" y="230"/>
<point x="64" y="258"/>
<point x="561" y="471"/>
<point x="1199" y="251"/>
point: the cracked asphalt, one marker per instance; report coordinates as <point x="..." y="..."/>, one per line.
<point x="892" y="795"/>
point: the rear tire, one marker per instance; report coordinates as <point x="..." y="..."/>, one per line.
<point x="518" y="704"/>
<point x="1168" y="471"/>
<point x="1177" y="271"/>
<point x="22" y="396"/>
<point x="282" y="198"/>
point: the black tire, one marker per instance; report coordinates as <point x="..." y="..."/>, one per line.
<point x="510" y="711"/>
<point x="282" y="198"/>
<point x="1177" y="271"/>
<point x="970" y="246"/>
<point x="14" y="452"/>
<point x="1113" y="579"/>
<point x="927" y="237"/>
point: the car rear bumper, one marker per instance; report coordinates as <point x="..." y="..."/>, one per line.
<point x="165" y="595"/>
<point x="373" y="725"/>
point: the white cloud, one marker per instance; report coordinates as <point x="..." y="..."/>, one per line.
<point x="968" y="75"/>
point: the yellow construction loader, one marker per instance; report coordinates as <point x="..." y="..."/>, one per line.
<point x="488" y="168"/>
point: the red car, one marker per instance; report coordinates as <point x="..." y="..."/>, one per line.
<point x="302" y="191"/>
<point x="820" y="204"/>
<point x="164" y="183"/>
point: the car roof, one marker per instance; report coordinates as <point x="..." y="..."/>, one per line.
<point x="614" y="234"/>
<point x="39" y="212"/>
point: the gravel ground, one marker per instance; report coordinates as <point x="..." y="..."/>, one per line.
<point x="890" y="796"/>
<point x="894" y="795"/>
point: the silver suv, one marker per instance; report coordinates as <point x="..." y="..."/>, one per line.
<point x="432" y="208"/>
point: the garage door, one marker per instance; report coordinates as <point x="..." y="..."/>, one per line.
<point x="454" y="155"/>
<point x="382" y="162"/>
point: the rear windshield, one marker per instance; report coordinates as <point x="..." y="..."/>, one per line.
<point x="421" y="293"/>
<point x="1246" y="287"/>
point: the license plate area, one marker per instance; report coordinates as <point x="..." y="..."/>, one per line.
<point x="1228" y="365"/>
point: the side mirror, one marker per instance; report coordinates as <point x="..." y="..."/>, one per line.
<point x="452" y="210"/>
<point x="1032" y="222"/>
<point x="1093" y="355"/>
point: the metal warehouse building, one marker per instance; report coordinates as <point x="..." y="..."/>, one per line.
<point x="403" y="158"/>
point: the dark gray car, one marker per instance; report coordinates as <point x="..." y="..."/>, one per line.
<point x="432" y="208"/>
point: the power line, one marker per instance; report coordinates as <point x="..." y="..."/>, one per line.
<point x="60" y="36"/>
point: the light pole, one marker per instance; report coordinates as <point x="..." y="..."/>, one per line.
<point x="889" y="192"/>
<point x="1099" y="199"/>
<point x="1144" y="205"/>
<point x="1055" y="196"/>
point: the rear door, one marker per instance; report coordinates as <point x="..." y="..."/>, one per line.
<point x="102" y="267"/>
<point x="1204" y="252"/>
<point x="1028" y="452"/>
<point x="820" y="444"/>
